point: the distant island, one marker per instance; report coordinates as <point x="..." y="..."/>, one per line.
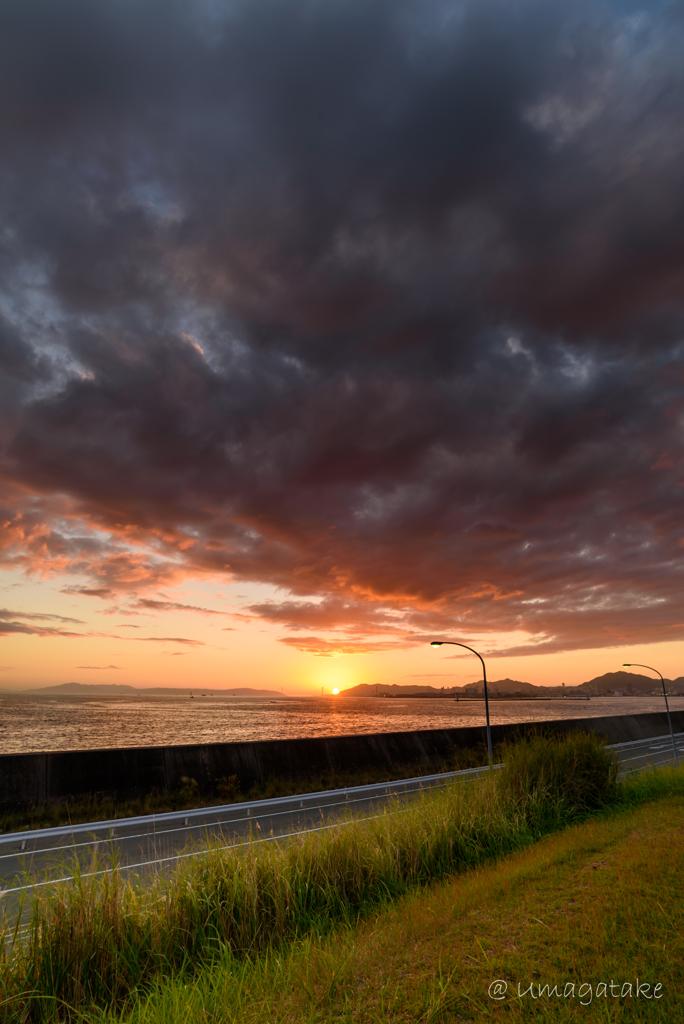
<point x="123" y="690"/>
<point x="611" y="684"/>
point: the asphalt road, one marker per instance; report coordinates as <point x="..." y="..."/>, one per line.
<point x="32" y="859"/>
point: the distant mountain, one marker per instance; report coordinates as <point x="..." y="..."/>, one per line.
<point x="235" y="691"/>
<point x="86" y="688"/>
<point x="112" y="689"/>
<point x="618" y="683"/>
<point x="415" y="689"/>
<point x="627" y="682"/>
<point x="509" y="686"/>
<point x="396" y="689"/>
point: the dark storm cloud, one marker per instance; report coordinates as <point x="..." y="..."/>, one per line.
<point x="379" y="302"/>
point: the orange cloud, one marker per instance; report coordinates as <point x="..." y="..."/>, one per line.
<point x="331" y="648"/>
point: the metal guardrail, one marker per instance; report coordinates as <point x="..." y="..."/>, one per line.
<point x="185" y="827"/>
<point x="227" y="813"/>
<point x="207" y="823"/>
<point x="637" y="755"/>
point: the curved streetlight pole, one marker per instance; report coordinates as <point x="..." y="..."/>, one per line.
<point x="438" y="643"/>
<point x="634" y="664"/>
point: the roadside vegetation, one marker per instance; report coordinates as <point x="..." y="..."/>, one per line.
<point x="102" y="942"/>
<point x="599" y="902"/>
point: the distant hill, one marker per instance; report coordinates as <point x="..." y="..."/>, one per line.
<point x="86" y="688"/>
<point x="415" y="689"/>
<point x="625" y="683"/>
<point x="112" y="689"/>
<point x="396" y="689"/>
<point x="509" y="686"/>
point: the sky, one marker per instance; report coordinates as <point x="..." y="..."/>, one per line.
<point x="332" y="327"/>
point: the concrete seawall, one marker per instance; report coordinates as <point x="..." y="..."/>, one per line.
<point x="46" y="777"/>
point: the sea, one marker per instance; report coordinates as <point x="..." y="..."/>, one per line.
<point x="39" y="722"/>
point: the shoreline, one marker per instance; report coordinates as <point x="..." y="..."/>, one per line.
<point x="40" y="725"/>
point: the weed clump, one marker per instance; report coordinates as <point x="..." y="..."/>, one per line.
<point x="575" y="774"/>
<point x="228" y="787"/>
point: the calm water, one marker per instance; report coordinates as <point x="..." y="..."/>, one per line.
<point x="31" y="723"/>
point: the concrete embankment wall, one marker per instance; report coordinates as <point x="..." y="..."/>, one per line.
<point x="44" y="777"/>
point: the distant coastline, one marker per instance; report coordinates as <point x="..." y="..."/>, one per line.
<point x="611" y="684"/>
<point x="125" y="690"/>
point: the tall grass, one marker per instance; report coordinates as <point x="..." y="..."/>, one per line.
<point x="99" y="939"/>
<point x="578" y="774"/>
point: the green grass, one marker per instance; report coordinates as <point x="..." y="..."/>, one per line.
<point x="101" y="940"/>
<point x="597" y="902"/>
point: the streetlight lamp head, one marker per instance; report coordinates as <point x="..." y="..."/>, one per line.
<point x="457" y="643"/>
<point x="649" y="668"/>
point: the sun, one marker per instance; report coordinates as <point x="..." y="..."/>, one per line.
<point x="336" y="691"/>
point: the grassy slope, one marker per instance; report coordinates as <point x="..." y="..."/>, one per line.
<point x="600" y="901"/>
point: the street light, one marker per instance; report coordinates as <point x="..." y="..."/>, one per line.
<point x="634" y="664"/>
<point x="438" y="643"/>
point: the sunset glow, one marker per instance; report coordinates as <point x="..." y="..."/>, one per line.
<point x="330" y="329"/>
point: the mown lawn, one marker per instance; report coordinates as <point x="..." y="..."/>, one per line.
<point x="598" y="903"/>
